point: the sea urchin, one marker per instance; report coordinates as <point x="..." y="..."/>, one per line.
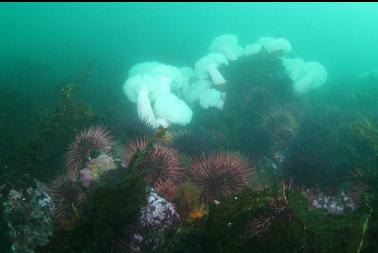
<point x="93" y="139"/>
<point x="68" y="198"/>
<point x="162" y="163"/>
<point x="220" y="174"/>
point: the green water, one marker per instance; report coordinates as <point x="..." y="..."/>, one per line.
<point x="341" y="35"/>
<point x="64" y="68"/>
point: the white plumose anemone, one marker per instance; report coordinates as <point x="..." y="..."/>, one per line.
<point x="142" y="68"/>
<point x="151" y="86"/>
<point x="275" y="44"/>
<point x="156" y="85"/>
<point x="172" y="109"/>
<point x="305" y="75"/>
<point x="172" y="73"/>
<point x="228" y="45"/>
<point x="144" y="108"/>
<point x="196" y="89"/>
<point x="313" y="75"/>
<point x="189" y="76"/>
<point x="270" y="44"/>
<point x="252" y="49"/>
<point x="212" y="98"/>
<point x="207" y="97"/>
<point x="208" y="66"/>
<point x="293" y="67"/>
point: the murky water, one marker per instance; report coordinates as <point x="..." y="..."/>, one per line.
<point x="188" y="127"/>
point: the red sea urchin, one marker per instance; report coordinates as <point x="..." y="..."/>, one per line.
<point x="281" y="123"/>
<point x="276" y="209"/>
<point x="68" y="198"/>
<point x="220" y="174"/>
<point x="162" y="163"/>
<point x="166" y="189"/>
<point x="93" y="139"/>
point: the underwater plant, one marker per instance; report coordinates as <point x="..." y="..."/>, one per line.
<point x="260" y="97"/>
<point x="277" y="207"/>
<point x="275" y="219"/>
<point x="367" y="131"/>
<point x="220" y="175"/>
<point x="316" y="157"/>
<point x="86" y="143"/>
<point x="161" y="163"/>
<point x="69" y="198"/>
<point x="256" y="86"/>
<point x="187" y="199"/>
<point x="364" y="180"/>
<point x="250" y="75"/>
<point x="43" y="153"/>
<point x="127" y="240"/>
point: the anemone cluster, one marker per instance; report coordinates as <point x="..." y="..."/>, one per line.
<point x="166" y="94"/>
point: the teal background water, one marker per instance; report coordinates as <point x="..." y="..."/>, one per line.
<point x="47" y="47"/>
<point x="342" y="36"/>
